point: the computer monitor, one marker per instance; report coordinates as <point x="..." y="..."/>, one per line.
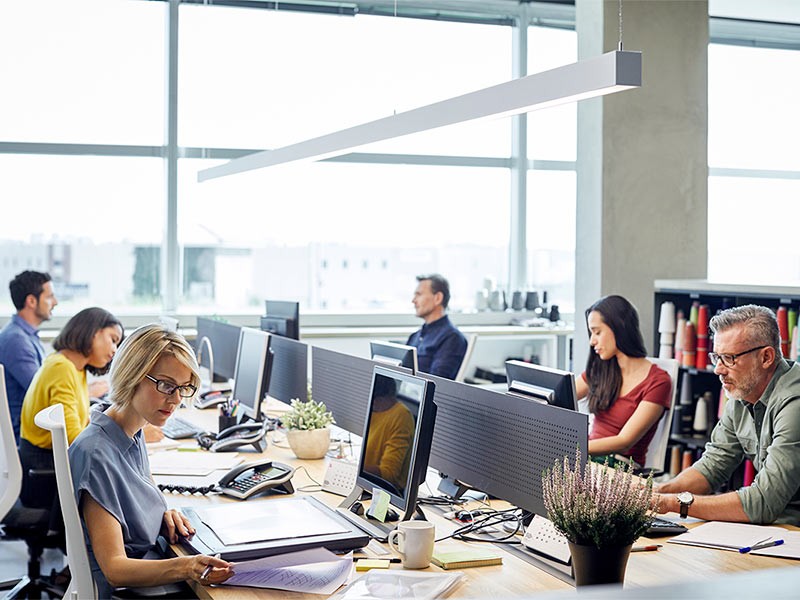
<point x="391" y="353"/>
<point x="499" y="443"/>
<point x="555" y="387"/>
<point x="253" y="366"/>
<point x="289" y="370"/>
<point x="223" y="338"/>
<point x="282" y="318"/>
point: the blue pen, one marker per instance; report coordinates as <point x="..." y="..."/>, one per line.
<point x="747" y="549"/>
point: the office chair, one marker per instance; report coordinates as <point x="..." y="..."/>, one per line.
<point x="657" y="452"/>
<point x="20" y="522"/>
<point x="462" y="370"/>
<point x="82" y="583"/>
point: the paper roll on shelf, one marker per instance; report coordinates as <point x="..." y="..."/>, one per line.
<point x="666" y="322"/>
<point x="680" y="330"/>
<point x="689" y="345"/>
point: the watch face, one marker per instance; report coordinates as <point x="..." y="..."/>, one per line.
<point x="685" y="498"/>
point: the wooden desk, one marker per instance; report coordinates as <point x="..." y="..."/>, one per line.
<point x="515" y="577"/>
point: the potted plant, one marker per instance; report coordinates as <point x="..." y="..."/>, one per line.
<point x="601" y="511"/>
<point x="308" y="431"/>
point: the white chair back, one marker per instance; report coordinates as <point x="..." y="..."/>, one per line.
<point x="657" y="452"/>
<point x="82" y="584"/>
<point x="10" y="467"/>
<point x="462" y="370"/>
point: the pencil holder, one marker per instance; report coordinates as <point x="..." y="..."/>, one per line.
<point x="225" y="422"/>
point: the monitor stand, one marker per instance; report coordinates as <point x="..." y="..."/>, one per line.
<point x="352" y="510"/>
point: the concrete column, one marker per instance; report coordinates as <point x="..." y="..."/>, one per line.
<point x="642" y="182"/>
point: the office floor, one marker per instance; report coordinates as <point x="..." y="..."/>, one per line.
<point x="14" y="560"/>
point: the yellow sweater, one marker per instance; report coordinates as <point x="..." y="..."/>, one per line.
<point x="389" y="451"/>
<point x="56" y="381"/>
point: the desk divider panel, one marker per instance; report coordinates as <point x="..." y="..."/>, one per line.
<point x="289" y="369"/>
<point x="343" y="383"/>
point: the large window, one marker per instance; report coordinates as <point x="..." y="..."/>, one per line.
<point x="754" y="182"/>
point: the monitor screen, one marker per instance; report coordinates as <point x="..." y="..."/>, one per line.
<point x="501" y="444"/>
<point x="289" y="370"/>
<point x="397" y="435"/>
<point x="391" y="353"/>
<point x="253" y="366"/>
<point x="224" y="341"/>
<point x="544" y="384"/>
<point x="282" y="318"/>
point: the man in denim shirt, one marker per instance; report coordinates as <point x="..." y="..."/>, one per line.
<point x="440" y="346"/>
<point x="761" y="422"/>
<point x="21" y="352"/>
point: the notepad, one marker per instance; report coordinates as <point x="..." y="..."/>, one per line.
<point x="462" y="559"/>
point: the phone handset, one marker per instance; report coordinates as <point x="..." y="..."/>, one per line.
<point x="248" y="479"/>
<point x="254" y="433"/>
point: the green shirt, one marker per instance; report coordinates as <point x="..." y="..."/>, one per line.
<point x="768" y="433"/>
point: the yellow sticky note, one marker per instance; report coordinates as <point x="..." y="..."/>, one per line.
<point x="365" y="564"/>
<point x="380" y="504"/>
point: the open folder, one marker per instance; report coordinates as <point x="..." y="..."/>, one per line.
<point x="729" y="536"/>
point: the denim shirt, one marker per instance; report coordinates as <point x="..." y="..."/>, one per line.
<point x="440" y="348"/>
<point x="22" y="353"/>
<point x="768" y="433"/>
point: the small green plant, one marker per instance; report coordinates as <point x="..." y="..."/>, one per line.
<point x="307" y="415"/>
<point x="600" y="506"/>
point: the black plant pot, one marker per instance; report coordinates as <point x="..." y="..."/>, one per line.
<point x="595" y="566"/>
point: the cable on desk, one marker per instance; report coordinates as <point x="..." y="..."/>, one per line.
<point x="190" y="489"/>
<point x="317" y="486"/>
<point x="484" y="519"/>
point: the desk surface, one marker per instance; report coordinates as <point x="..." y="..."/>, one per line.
<point x="515" y="577"/>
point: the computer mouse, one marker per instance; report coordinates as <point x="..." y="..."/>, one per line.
<point x="391" y="515"/>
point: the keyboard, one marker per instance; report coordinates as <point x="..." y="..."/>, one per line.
<point x="661" y="527"/>
<point x="177" y="429"/>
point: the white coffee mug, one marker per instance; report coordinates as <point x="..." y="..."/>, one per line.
<point x="413" y="541"/>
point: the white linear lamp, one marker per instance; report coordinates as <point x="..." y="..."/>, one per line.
<point x="606" y="74"/>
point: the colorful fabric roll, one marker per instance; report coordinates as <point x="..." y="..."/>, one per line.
<point x="693" y="313"/>
<point x="689" y="345"/>
<point x="680" y="330"/>
<point x="783" y="328"/>
<point x="701" y="360"/>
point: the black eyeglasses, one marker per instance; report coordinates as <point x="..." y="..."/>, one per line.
<point x="729" y="360"/>
<point x="167" y="388"/>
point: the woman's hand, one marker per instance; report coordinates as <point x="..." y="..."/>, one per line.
<point x="175" y="524"/>
<point x="208" y="570"/>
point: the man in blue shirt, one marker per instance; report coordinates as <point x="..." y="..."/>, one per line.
<point x="440" y="346"/>
<point x="21" y="352"/>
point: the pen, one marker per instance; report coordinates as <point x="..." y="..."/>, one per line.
<point x="747" y="549"/>
<point x="646" y="548"/>
<point x="393" y="559"/>
<point x="207" y="570"/>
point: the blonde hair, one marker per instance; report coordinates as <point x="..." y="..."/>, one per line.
<point x="138" y="355"/>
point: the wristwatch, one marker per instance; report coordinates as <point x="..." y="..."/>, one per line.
<point x="685" y="499"/>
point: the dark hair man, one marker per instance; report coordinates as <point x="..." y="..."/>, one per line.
<point x="440" y="346"/>
<point x="761" y="421"/>
<point x="21" y="352"/>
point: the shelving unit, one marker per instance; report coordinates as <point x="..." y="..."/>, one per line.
<point x="682" y="293"/>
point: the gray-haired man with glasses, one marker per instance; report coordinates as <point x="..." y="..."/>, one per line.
<point x="761" y="422"/>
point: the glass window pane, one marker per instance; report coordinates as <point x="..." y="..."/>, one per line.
<point x="752" y="107"/>
<point x="340" y="236"/>
<point x="265" y="79"/>
<point x="551" y="236"/>
<point x="552" y="133"/>
<point x="753" y="246"/>
<point x="90" y="71"/>
<point x="75" y="219"/>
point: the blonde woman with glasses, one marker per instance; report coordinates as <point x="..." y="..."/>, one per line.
<point x="122" y="509"/>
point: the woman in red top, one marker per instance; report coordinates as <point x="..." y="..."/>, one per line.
<point x="627" y="394"/>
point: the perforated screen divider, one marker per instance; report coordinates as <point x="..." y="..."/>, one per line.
<point x="342" y="382"/>
<point x="289" y="369"/>
<point x="500" y="444"/>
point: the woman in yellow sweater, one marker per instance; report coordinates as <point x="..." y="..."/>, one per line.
<point x="88" y="342"/>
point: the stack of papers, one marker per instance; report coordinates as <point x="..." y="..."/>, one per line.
<point x="730" y="536"/>
<point x="377" y="585"/>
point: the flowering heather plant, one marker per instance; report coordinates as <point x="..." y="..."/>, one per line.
<point x="601" y="506"/>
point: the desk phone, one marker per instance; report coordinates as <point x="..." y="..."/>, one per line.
<point x="542" y="536"/>
<point x="211" y="398"/>
<point x="232" y="438"/>
<point x="246" y="480"/>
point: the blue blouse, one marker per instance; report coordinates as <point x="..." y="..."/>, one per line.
<point x="114" y="470"/>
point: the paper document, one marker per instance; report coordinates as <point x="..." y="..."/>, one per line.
<point x="377" y="585"/>
<point x="316" y="571"/>
<point x="728" y="536"/>
<point x="263" y="521"/>
<point x="198" y="464"/>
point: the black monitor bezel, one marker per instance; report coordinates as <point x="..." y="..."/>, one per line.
<point x="220" y="335"/>
<point x="392" y="353"/>
<point x="420" y="451"/>
<point x="553" y="386"/>
<point x="265" y="361"/>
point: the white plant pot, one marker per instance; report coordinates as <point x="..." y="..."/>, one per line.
<point x="309" y="443"/>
